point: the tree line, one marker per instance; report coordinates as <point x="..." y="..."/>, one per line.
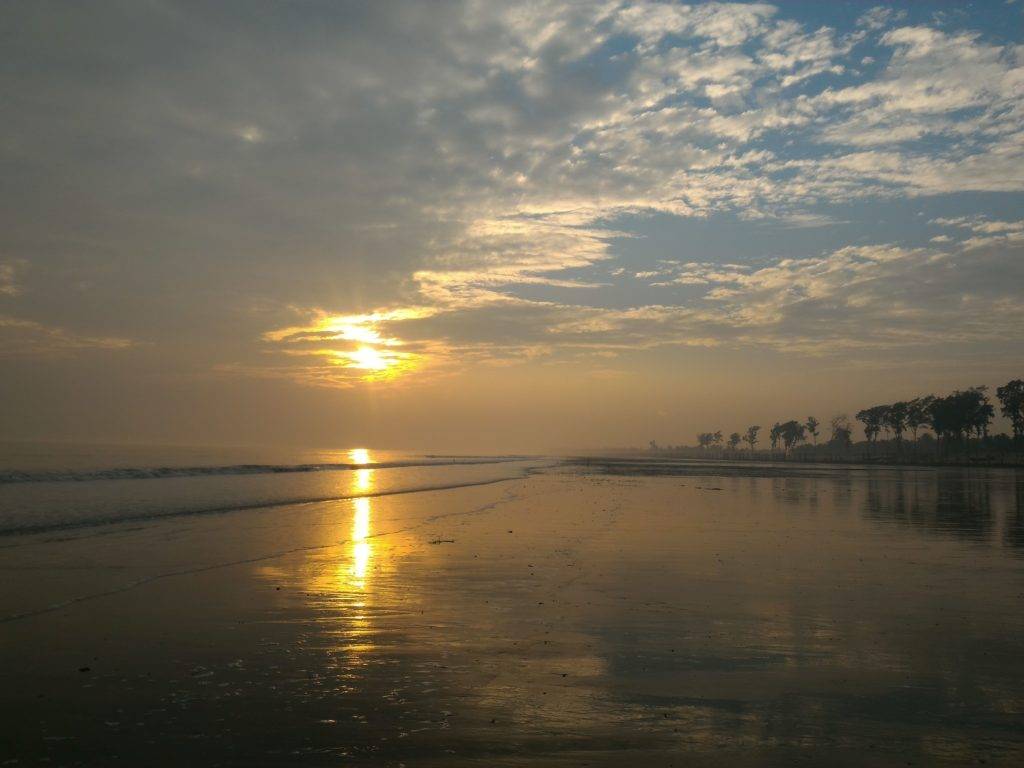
<point x="954" y="421"/>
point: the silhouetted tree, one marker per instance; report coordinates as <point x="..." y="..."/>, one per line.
<point x="966" y="413"/>
<point x="957" y="415"/>
<point x="873" y="419"/>
<point x="750" y="438"/>
<point x="812" y="427"/>
<point x="981" y="411"/>
<point x="945" y="418"/>
<point x="841" y="431"/>
<point x="917" y="413"/>
<point x="895" y="417"/>
<point x="1011" y="397"/>
<point x="792" y="432"/>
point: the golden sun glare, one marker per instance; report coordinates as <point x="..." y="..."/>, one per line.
<point x="374" y="355"/>
<point x="370" y="359"/>
<point x="377" y="364"/>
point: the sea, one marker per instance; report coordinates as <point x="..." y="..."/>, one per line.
<point x="58" y="486"/>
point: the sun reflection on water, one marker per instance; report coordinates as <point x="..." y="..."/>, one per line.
<point x="362" y="550"/>
<point x="364" y="480"/>
<point x="359" y="456"/>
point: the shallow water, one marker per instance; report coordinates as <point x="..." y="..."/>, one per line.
<point x="839" y="617"/>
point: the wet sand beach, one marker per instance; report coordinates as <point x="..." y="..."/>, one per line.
<point x="573" y="616"/>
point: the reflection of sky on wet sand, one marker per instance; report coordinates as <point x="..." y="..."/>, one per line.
<point x="354" y="589"/>
<point x="707" y="614"/>
<point x="581" y="618"/>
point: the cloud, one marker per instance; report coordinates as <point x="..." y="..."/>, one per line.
<point x="981" y="224"/>
<point x="722" y="24"/>
<point x="9" y="285"/>
<point x="987" y="232"/>
<point x="936" y="84"/>
<point x="27" y="338"/>
<point x="21" y="338"/>
<point x="443" y="181"/>
<point x="854" y="301"/>
<point x="880" y="16"/>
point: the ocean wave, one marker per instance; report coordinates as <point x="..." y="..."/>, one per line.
<point x="29" y="527"/>
<point x="10" y="476"/>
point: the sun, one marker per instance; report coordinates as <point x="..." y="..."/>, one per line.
<point x="370" y="359"/>
<point x="374" y="364"/>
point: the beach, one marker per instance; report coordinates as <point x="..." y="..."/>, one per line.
<point x="530" y="613"/>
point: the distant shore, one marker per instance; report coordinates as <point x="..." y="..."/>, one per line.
<point x="1006" y="461"/>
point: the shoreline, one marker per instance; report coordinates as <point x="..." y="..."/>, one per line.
<point x="838" y="462"/>
<point x="242" y="507"/>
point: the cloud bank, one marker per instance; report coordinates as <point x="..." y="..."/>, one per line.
<point x="424" y="189"/>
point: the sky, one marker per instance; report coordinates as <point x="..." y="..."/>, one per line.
<point x="501" y="226"/>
